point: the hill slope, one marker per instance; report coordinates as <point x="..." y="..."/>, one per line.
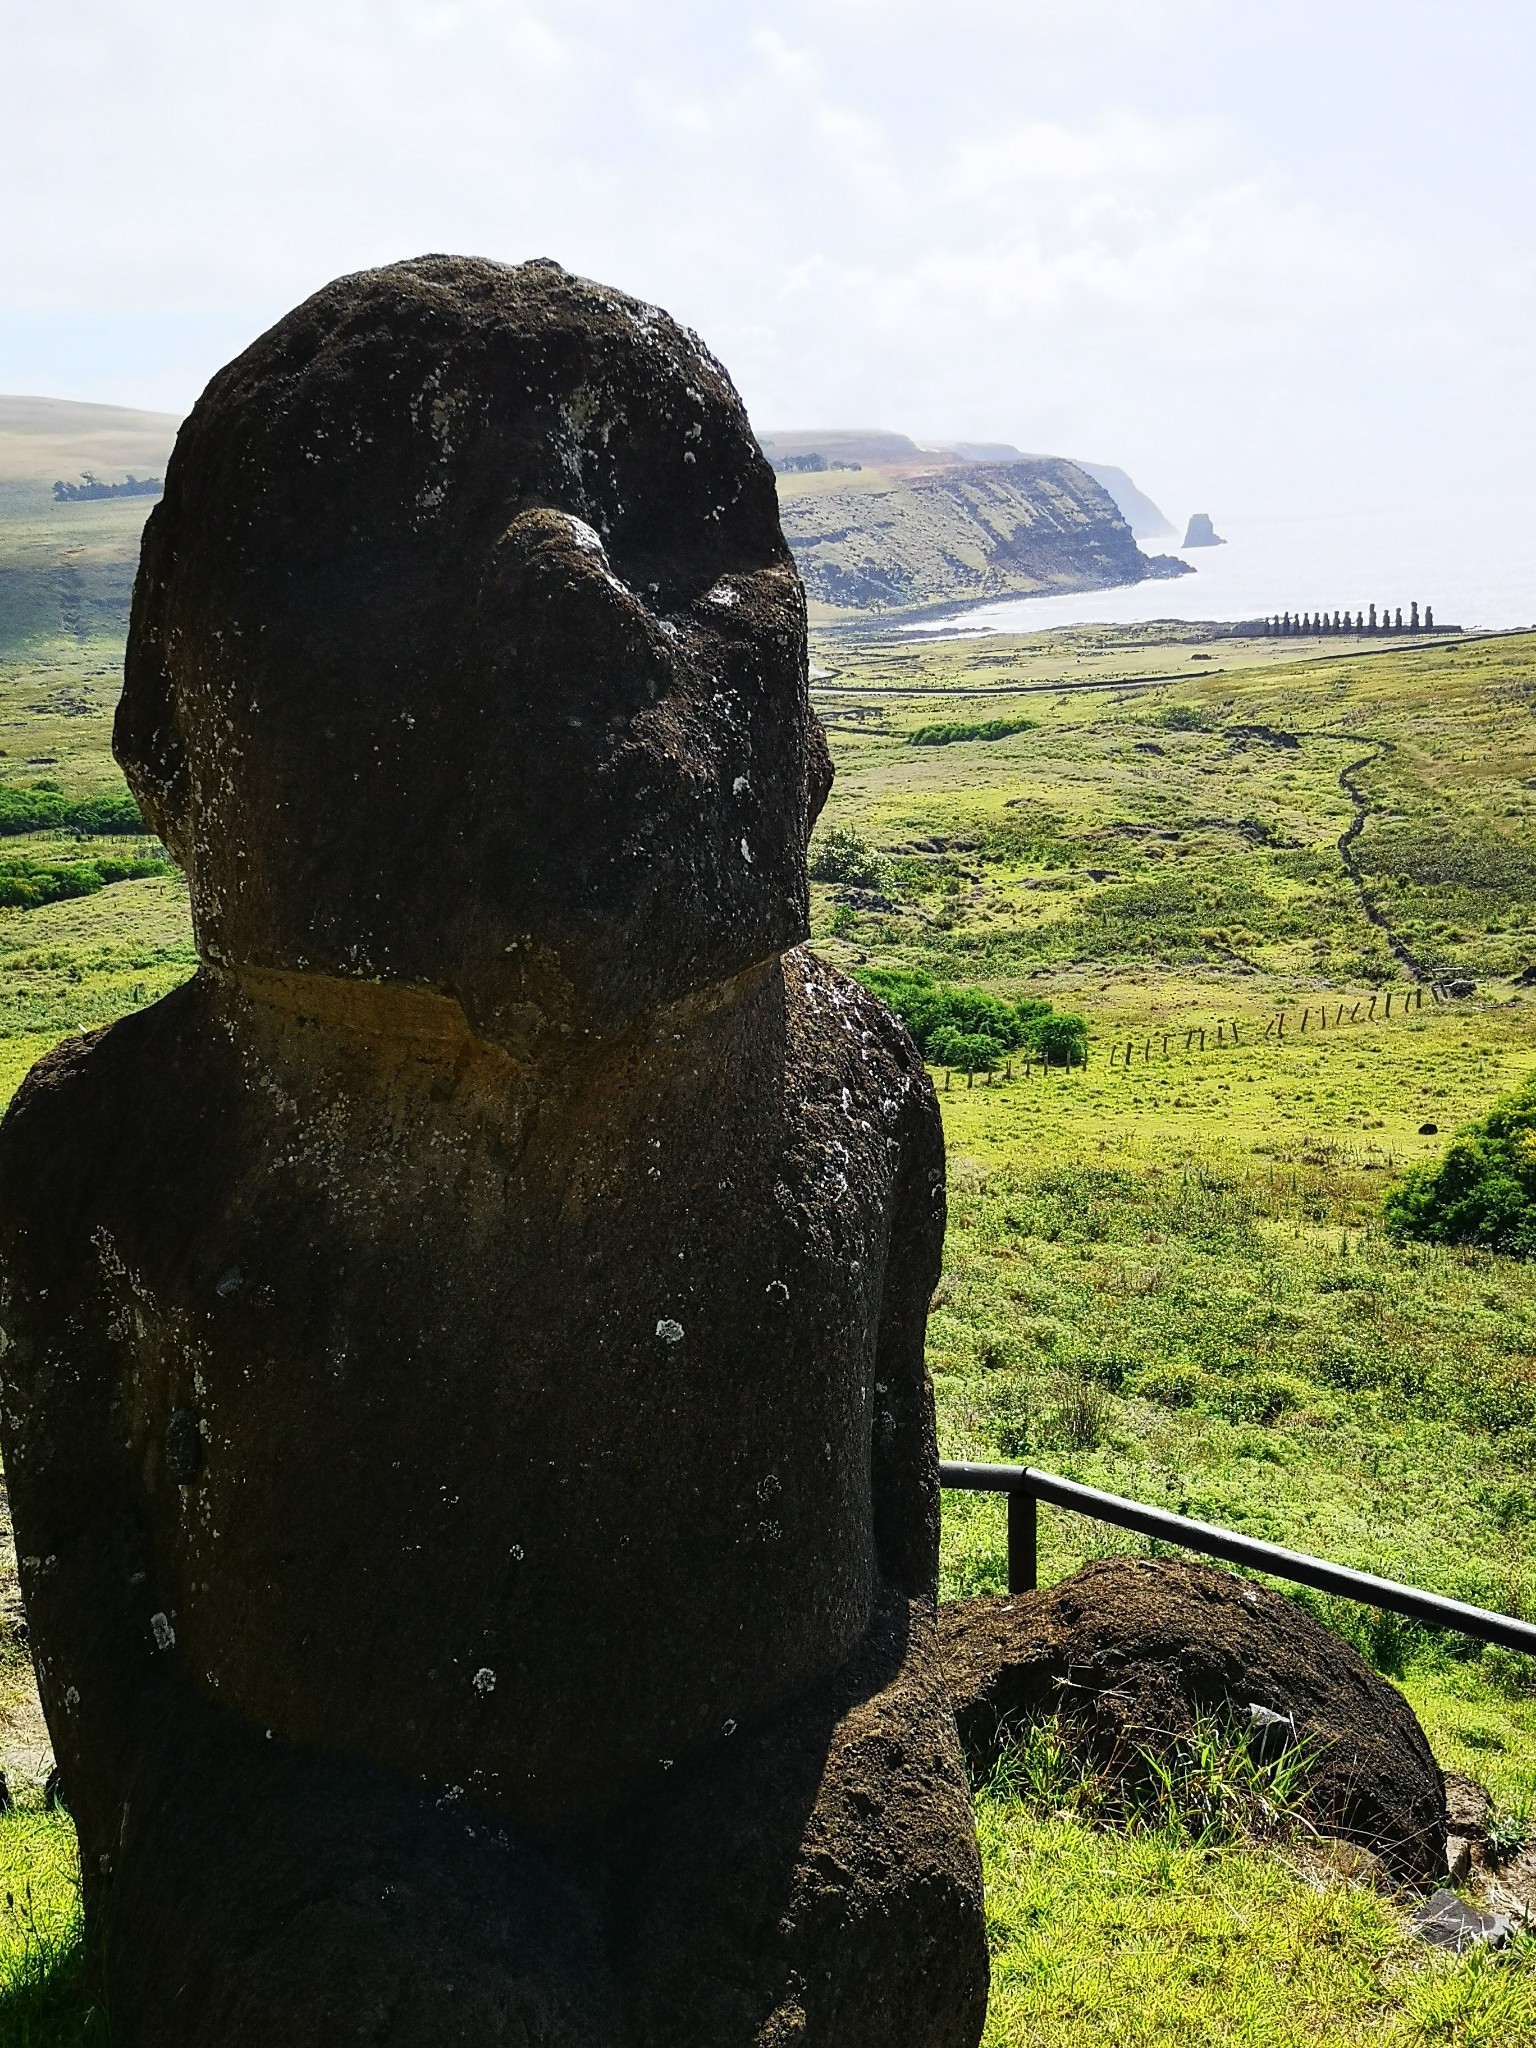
<point x="66" y="570"/>
<point x="44" y="438"/>
<point x="918" y="533"/>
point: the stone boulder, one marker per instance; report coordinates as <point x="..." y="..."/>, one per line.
<point x="1131" y="1651"/>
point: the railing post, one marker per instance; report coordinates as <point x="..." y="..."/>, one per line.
<point x="1022" y="1531"/>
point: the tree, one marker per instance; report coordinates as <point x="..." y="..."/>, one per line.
<point x="1061" y="1039"/>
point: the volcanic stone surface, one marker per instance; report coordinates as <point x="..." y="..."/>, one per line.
<point x="464" y="1409"/>
<point x="1132" y="1651"/>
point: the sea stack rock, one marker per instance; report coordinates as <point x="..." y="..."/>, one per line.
<point x="1200" y="533"/>
<point x="464" y="1404"/>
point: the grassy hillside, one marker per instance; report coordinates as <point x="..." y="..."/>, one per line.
<point x="66" y="577"/>
<point x="45" y="438"/>
<point x="1165" y="1275"/>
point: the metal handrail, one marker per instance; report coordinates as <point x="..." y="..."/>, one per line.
<point x="1025" y="1487"/>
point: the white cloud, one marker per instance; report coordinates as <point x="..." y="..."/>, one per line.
<point x="1205" y="240"/>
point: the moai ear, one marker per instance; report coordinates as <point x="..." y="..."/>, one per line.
<point x="146" y="734"/>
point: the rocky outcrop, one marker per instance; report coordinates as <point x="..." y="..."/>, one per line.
<point x="1200" y="533"/>
<point x="1132" y="1651"/>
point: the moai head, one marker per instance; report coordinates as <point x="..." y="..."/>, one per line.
<point x="467" y="654"/>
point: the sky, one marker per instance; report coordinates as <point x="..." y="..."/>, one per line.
<point x="1263" y="256"/>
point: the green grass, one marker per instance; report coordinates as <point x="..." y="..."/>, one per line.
<point x="1167" y="1277"/>
<point x="1146" y="1941"/>
<point x="43" y="1998"/>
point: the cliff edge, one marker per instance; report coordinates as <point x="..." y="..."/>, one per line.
<point x="880" y="530"/>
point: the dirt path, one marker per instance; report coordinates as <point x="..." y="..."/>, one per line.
<point x="1351" y="860"/>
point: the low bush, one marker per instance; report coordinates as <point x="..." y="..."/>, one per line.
<point x="972" y="1031"/>
<point x="25" y="883"/>
<point x="840" y="854"/>
<point x="43" y="807"/>
<point x="1171" y="1385"/>
<point x="1482" y="1191"/>
<point x="949" y="732"/>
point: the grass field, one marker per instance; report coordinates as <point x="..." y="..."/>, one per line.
<point x="1166" y="1276"/>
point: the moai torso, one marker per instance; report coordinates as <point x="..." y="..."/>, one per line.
<point x="518" y="1431"/>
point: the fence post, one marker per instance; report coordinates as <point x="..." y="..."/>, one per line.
<point x="1389" y="1002"/>
<point x="1022" y="1543"/>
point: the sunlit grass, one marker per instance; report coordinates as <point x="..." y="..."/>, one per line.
<point x="43" y="1999"/>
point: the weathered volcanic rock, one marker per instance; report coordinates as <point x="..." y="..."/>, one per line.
<point x="464" y="1409"/>
<point x="1132" y="1651"/>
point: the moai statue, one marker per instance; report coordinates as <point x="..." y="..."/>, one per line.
<point x="1285" y="622"/>
<point x="1429" y="618"/>
<point x="1372" y="626"/>
<point x="1413" y="618"/>
<point x="464" y="1405"/>
<point x="1335" y="622"/>
<point x="1399" y="618"/>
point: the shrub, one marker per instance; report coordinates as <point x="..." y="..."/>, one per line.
<point x="1007" y="1418"/>
<point x="1080" y="1413"/>
<point x="43" y="807"/>
<point x="1262" y="1397"/>
<point x="30" y="810"/>
<point x="1171" y="1386"/>
<point x="1061" y="1039"/>
<point x="26" y="883"/>
<point x="947" y="734"/>
<point x="949" y="1024"/>
<point x="969" y="1052"/>
<point x="101" y="815"/>
<point x="1482" y="1191"/>
<point x="841" y="854"/>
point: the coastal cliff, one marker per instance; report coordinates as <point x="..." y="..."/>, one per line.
<point x="918" y="531"/>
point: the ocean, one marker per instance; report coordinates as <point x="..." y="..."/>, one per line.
<point x="1342" y="561"/>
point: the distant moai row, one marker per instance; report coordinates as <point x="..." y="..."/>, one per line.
<point x="1345" y="622"/>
